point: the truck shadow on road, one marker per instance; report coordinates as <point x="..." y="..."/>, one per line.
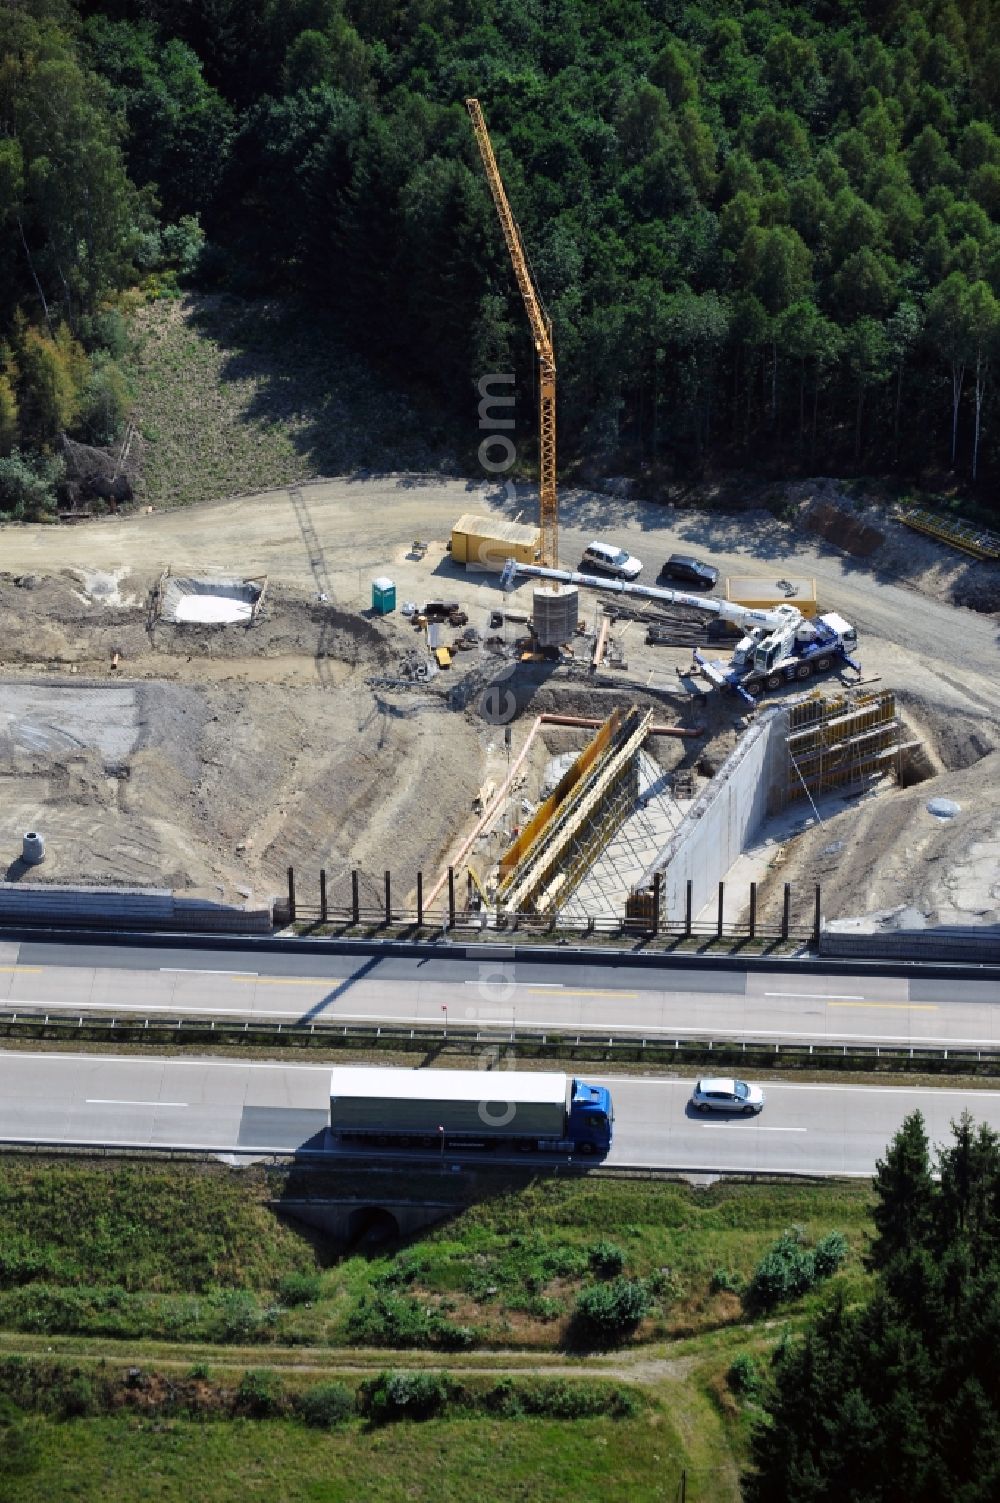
<point x="341" y="989"/>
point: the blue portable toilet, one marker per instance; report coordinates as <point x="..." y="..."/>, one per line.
<point x="383" y="596"/>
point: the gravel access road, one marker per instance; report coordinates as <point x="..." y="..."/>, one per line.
<point x="336" y="535"/>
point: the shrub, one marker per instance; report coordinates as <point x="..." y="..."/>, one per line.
<point x="828" y="1254"/>
<point x="76" y="1396"/>
<point x="664" y="1285"/>
<point x="28" y="485"/>
<point x="260" y="1394"/>
<point x="784" y="1272"/>
<point x="395" y="1396"/>
<point x="607" y="1259"/>
<point x="606" y="1313"/>
<point x="403" y="1270"/>
<point x="46" y="1307"/>
<point x="743" y="1377"/>
<point x="107" y="330"/>
<point x="237" y="1315"/>
<point x="725" y="1282"/>
<point x="43" y="1387"/>
<point x="564" y="1399"/>
<point x="21" y="1262"/>
<point x="788" y="1270"/>
<point x="18" y="1451"/>
<point x="388" y="1320"/>
<point x="385" y="1319"/>
<point x="450" y="1337"/>
<point x="504" y="1398"/>
<point x="299" y="1289"/>
<point x="104" y="401"/>
<point x="325" y="1405"/>
<point x="181" y="244"/>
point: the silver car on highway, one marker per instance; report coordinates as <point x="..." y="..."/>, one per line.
<point x="725" y="1094"/>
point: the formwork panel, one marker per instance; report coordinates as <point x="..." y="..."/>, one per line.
<point x="572" y="835"/>
<point x="554" y="614"/>
<point x="838" y="742"/>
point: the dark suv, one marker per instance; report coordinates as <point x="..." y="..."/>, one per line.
<point x="690" y="570"/>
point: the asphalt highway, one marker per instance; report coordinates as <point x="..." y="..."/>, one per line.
<point x="499" y="994"/>
<point x="257" y="1107"/>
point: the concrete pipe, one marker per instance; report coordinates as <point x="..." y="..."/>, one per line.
<point x="32" y="848"/>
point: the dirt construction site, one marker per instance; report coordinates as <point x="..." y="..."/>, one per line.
<point x="199" y="698"/>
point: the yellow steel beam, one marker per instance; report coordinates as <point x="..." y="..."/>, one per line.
<point x="549" y="807"/>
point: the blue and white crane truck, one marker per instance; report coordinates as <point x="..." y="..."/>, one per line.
<point x="779" y="644"/>
<point x="544" y="1112"/>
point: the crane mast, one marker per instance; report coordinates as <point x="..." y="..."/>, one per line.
<point x="541" y="330"/>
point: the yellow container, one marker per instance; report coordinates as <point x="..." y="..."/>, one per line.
<point x="763" y="594"/>
<point x="488" y="542"/>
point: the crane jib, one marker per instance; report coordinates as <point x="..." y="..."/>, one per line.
<point x="725" y="610"/>
<point x="541" y="329"/>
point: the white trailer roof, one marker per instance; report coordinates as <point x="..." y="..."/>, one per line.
<point x="448" y="1085"/>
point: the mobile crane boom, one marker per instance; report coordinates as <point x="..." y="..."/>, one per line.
<point x="541" y="331"/>
<point x="778" y="645"/>
<point x="726" y="610"/>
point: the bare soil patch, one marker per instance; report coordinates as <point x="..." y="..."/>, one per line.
<point x="286" y="754"/>
<point x="885" y="854"/>
<point x="214" y="758"/>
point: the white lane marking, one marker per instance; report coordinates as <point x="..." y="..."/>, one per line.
<point x="112" y="1101"/>
<point x="190" y="970"/>
<point x="819" y="996"/>
<point x="739" y="1127"/>
<point x="555" y="986"/>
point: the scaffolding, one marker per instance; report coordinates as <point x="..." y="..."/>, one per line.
<point x="979" y="542"/>
<point x="845" y="741"/>
<point x="648" y="822"/>
<point x="568" y="832"/>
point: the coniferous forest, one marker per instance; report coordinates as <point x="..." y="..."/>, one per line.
<point x="898" y="1397"/>
<point x="767" y="234"/>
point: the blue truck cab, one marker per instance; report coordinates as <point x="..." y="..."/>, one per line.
<point x="591" y="1118"/>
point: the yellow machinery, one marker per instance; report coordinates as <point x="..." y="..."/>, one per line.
<point x="541" y="330"/>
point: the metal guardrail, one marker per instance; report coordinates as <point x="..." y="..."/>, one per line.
<point x="467" y="1038"/>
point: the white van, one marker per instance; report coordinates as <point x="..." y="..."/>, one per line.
<point x="607" y="559"/>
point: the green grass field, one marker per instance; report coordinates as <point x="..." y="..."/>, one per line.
<point x="233" y="397"/>
<point x="189" y="1273"/>
<point x="442" y="1461"/>
<point x="197" y="1253"/>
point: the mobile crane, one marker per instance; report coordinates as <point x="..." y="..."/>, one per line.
<point x="541" y="333"/>
<point x="779" y="644"/>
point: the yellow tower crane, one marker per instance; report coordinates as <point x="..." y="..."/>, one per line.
<point x="541" y="330"/>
